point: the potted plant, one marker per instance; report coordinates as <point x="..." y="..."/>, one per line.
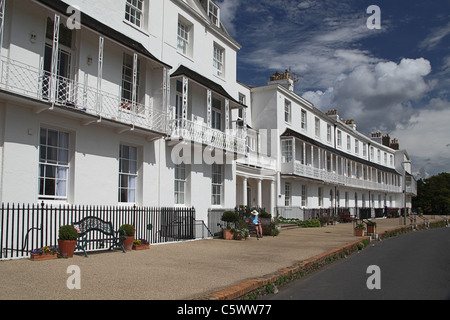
<point x="128" y="231"/>
<point x="359" y="229"/>
<point x="44" y="253"/>
<point x="229" y="217"/>
<point x="371" y="227"/>
<point x="141" y="244"/>
<point x="242" y="234"/>
<point x="67" y="240"/>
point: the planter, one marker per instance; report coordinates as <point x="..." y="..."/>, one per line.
<point x="359" y="232"/>
<point x="44" y="256"/>
<point x="239" y="237"/>
<point x="141" y="246"/>
<point x="66" y="248"/>
<point x="371" y="229"/>
<point x="128" y="243"/>
<point x="227" y="234"/>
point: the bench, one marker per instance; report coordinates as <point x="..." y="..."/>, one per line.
<point x="86" y="226"/>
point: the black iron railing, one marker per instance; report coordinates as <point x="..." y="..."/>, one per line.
<point x="27" y="227"/>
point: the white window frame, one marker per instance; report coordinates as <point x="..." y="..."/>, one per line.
<point x="128" y="174"/>
<point x="317" y="127"/>
<point x="134" y="12"/>
<point x="329" y="133"/>
<point x="287" y="194"/>
<point x="304" y="195"/>
<point x="287" y="111"/>
<point x="182" y="38"/>
<point x="216" y="114"/>
<point x="53" y="170"/>
<point x="214" y="13"/>
<point x="180" y="184"/>
<point x="286" y="151"/>
<point x="219" y="60"/>
<point x="127" y="80"/>
<point x="216" y="184"/>
<point x="339" y="138"/>
<point x="304" y="120"/>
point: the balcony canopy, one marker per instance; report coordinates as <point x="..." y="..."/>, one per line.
<point x="295" y="134"/>
<point x="104" y="30"/>
<point x="209" y="84"/>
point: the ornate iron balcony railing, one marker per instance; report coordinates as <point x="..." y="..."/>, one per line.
<point x="231" y="141"/>
<point x="35" y="83"/>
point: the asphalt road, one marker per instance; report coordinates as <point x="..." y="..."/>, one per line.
<point x="414" y="266"/>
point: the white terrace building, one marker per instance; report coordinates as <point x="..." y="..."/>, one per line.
<point x="303" y="158"/>
<point x="93" y="103"/>
<point x="99" y="101"/>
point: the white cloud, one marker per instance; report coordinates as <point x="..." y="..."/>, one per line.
<point x="377" y="96"/>
<point x="228" y="10"/>
<point x="426" y="138"/>
<point x="435" y="37"/>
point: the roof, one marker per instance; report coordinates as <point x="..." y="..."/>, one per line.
<point x="103" y="29"/>
<point x="217" y="88"/>
<point x="295" y="134"/>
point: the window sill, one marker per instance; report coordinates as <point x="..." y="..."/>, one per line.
<point x="128" y="23"/>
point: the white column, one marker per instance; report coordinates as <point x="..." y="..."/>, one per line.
<point x="2" y="23"/>
<point x="259" y="203"/>
<point x="101" y="42"/>
<point x="272" y="198"/>
<point x="209" y="108"/>
<point x="227" y="115"/>
<point x="244" y="191"/>
<point x="55" y="53"/>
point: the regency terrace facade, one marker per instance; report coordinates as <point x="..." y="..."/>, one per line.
<point x="98" y="106"/>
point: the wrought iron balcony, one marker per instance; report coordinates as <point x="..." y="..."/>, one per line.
<point x="28" y="81"/>
<point x="297" y="168"/>
<point x="231" y="141"/>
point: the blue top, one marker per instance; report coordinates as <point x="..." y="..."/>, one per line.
<point x="254" y="219"/>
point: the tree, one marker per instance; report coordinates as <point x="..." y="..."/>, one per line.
<point x="433" y="195"/>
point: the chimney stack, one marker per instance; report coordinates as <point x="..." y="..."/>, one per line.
<point x="333" y="114"/>
<point x="283" y="79"/>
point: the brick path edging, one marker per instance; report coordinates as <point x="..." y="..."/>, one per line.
<point x="307" y="266"/>
<point x="300" y="269"/>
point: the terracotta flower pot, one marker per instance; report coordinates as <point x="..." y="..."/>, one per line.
<point x="227" y="234"/>
<point x="66" y="248"/>
<point x="371" y="229"/>
<point x="359" y="232"/>
<point x="128" y="243"/>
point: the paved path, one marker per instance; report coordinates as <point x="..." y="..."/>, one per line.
<point x="178" y="271"/>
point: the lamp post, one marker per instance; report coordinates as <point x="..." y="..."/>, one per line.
<point x="404" y="188"/>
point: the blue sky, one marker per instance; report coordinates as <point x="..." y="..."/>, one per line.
<point x="395" y="79"/>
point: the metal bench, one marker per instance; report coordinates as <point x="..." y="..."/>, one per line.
<point x="86" y="226"/>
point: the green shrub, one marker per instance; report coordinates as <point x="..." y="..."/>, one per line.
<point x="230" y="217"/>
<point x="127" y="230"/>
<point x="67" y="232"/>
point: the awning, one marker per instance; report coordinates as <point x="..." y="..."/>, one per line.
<point x="95" y="25"/>
<point x="205" y="82"/>
<point x="295" y="134"/>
